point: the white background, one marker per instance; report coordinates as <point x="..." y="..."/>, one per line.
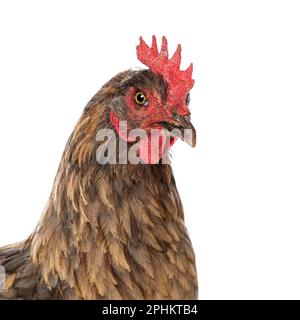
<point x="240" y="187"/>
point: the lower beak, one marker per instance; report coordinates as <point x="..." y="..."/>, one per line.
<point x="181" y="128"/>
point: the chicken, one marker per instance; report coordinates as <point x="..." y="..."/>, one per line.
<point x="112" y="230"/>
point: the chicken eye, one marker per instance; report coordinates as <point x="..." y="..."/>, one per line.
<point x="141" y="99"/>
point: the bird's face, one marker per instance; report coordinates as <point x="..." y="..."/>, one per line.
<point x="147" y="103"/>
<point x="144" y="103"/>
<point x="154" y="100"/>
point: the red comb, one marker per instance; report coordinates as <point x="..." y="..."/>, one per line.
<point x="179" y="81"/>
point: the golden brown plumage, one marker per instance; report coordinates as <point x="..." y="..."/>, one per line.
<point x="108" y="231"/>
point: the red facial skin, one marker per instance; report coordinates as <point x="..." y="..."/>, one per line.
<point x="146" y="118"/>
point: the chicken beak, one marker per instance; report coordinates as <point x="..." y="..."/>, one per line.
<point x="189" y="133"/>
<point x="181" y="128"/>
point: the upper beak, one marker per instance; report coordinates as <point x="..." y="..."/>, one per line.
<point x="181" y="127"/>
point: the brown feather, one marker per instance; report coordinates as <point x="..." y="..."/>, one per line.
<point x="108" y="231"/>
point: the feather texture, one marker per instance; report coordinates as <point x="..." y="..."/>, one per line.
<point x="108" y="231"/>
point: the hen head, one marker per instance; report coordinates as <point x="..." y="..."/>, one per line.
<point x="155" y="100"/>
